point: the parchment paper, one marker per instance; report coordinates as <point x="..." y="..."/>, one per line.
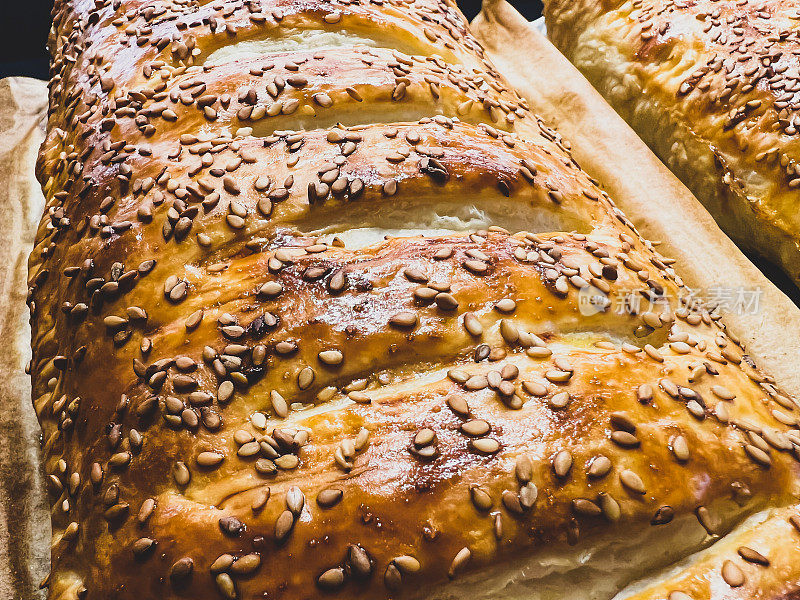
<point x="24" y="514"/>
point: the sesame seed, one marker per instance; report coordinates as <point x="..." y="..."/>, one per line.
<point x="406" y="564"/>
<point x="476" y="382"/>
<point x="562" y="463"/>
<point x="475" y="427"/>
<point x="625" y="439"/>
<point x="265" y="466"/>
<point x="284" y="525"/>
<point x="458" y="405"/>
<point x="528" y="494"/>
<point x="753" y="556"/>
<point x="231" y="526"/>
<point x="295" y="500"/>
<point x="472" y="324"/>
<point x="557" y="376"/>
<point x="509" y="331"/>
<point x="331" y="357"/>
<point x="261" y="499"/>
<point x="459" y="562"/>
<point x="599" y="466"/>
<point x="143" y="547"/>
<point x="404" y="320"/>
<point x="632" y="481"/>
<point x="663" y="515"/>
<point x="758" y="455"/>
<point x="732" y="574"/>
<point x="415" y="275"/>
<point x="424" y="437"/>
<point x="145" y="511"/>
<point x="181" y="570"/>
<point x="210" y="459"/>
<point x="585" y="507"/>
<point x="680" y="448"/>
<point x="359" y="397"/>
<point x="287" y="462"/>
<point x="480" y="498"/>
<point x="559" y="400"/>
<point x="181" y="473"/>
<point x="534" y="388"/>
<point x="722" y="392"/>
<point x="524" y="469"/>
<point x="270" y="289"/>
<point x="506" y="305"/>
<point x="644" y="393"/>
<point x="653" y="353"/>
<point x="610" y="506"/>
<point x="244" y="565"/>
<point x="332" y="579"/>
<point x="226" y="586"/>
<point x="446" y="301"/>
<point x="392" y="578"/>
<point x="329" y="497"/>
<point x="305" y="378"/>
<point x="680" y="347"/>
<point x="485" y="445"/>
<point x="795" y="522"/>
<point x="359" y="561"/>
<point x="707" y="520"/>
<point x="225" y="391"/>
<point x="477" y="267"/>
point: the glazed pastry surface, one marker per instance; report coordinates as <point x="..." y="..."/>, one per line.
<point x="320" y="308"/>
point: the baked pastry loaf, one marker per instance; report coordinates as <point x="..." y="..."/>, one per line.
<point x="710" y="86"/>
<point x="319" y="308"/>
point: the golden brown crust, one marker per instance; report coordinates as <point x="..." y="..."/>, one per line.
<point x="244" y="394"/>
<point x="710" y="87"/>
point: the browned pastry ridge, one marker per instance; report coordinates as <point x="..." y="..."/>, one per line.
<point x="310" y="319"/>
<point x="713" y="87"/>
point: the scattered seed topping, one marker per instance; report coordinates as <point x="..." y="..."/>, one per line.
<point x="295" y="369"/>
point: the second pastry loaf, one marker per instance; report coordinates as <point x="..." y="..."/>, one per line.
<point x="711" y="86"/>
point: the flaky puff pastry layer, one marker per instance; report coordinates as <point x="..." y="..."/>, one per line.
<point x="319" y="308"/>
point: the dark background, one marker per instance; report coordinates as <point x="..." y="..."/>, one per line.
<point x="22" y="45"/>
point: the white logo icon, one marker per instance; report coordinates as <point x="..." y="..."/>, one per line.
<point x="592" y="301"/>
